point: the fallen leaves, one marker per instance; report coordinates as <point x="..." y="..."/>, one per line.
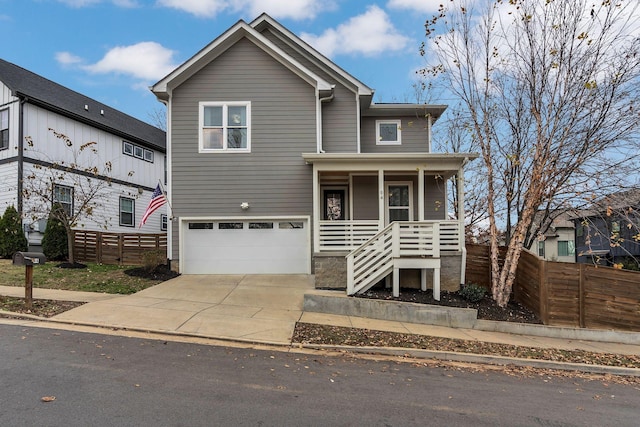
<point x="48" y="398"/>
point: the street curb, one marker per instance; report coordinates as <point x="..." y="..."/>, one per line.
<point x="445" y="356"/>
<point x="480" y="359"/>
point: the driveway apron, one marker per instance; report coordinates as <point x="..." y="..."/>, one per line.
<point x="256" y="308"/>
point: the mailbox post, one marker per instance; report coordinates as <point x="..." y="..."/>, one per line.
<point x="28" y="259"/>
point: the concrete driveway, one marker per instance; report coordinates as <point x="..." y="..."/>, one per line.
<point x="258" y="308"/>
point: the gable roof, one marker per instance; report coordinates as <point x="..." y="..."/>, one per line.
<point x="223" y="42"/>
<point x="40" y="91"/>
<point x="265" y="21"/>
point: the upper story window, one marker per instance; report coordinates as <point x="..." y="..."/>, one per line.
<point x="225" y="127"/>
<point x="566" y="248"/>
<point x="388" y="132"/>
<point x="63" y="195"/>
<point x="4" y="129"/>
<point x="133" y="150"/>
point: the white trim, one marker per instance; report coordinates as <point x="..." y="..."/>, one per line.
<point x="358" y="125"/>
<point x="387" y="184"/>
<point x="398" y="124"/>
<point x="225" y="125"/>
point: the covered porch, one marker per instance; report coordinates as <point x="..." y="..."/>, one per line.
<point x="385" y="212"/>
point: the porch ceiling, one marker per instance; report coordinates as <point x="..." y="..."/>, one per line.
<point x="429" y="162"/>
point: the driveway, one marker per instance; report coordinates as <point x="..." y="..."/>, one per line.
<point x="258" y="308"/>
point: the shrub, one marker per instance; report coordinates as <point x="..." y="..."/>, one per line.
<point x="151" y="260"/>
<point x="472" y="292"/>
<point x="12" y="237"/>
<point x="54" y="241"/>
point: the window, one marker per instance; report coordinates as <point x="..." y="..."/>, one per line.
<point x="163" y="222"/>
<point x="225" y="127"/>
<point x="63" y="195"/>
<point x="541" y="248"/>
<point x="260" y="225"/>
<point x="388" y="132"/>
<point x="200" y="226"/>
<point x="127" y="212"/>
<point x="399" y="202"/>
<point x="566" y="248"/>
<point x="133" y="150"/>
<point x="4" y="129"/>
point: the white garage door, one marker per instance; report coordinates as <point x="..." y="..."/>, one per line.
<point x="257" y="246"/>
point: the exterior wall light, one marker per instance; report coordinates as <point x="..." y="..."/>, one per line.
<point x="244" y="205"/>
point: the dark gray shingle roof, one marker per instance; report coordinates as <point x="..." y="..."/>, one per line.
<point x="55" y="97"/>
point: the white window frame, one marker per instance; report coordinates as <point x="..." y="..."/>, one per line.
<point x="148" y="155"/>
<point x="409" y="184"/>
<point x="127" y="148"/>
<point x="225" y="124"/>
<point x="66" y="205"/>
<point x="133" y="212"/>
<point x="138" y="152"/>
<point x="163" y="222"/>
<point x="398" y="124"/>
<point x="4" y="129"/>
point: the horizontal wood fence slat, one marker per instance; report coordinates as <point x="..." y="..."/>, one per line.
<point x="567" y="294"/>
<point x="116" y="248"/>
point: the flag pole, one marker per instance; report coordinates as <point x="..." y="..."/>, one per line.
<point x="164" y="192"/>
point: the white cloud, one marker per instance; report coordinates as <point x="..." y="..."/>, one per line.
<point x="200" y="8"/>
<point x="79" y="3"/>
<point x="146" y="61"/>
<point x="66" y="58"/>
<point x="430" y="6"/>
<point x="279" y="9"/>
<point x="369" y="34"/>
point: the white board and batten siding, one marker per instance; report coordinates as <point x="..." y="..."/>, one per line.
<point x="260" y="245"/>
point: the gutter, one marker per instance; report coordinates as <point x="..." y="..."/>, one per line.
<point x="23" y="100"/>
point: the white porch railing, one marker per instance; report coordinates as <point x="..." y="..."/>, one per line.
<point x="400" y="245"/>
<point x="349" y="235"/>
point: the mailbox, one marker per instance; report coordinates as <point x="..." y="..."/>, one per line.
<point x="29" y="258"/>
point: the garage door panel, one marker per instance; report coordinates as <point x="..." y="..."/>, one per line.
<point x="247" y="250"/>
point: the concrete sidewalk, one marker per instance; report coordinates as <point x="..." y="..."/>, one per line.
<point x="256" y="309"/>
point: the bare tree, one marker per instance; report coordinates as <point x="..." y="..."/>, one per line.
<point x="550" y="92"/>
<point x="82" y="173"/>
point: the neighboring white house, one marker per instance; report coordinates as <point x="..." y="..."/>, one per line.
<point x="557" y="242"/>
<point x="32" y="108"/>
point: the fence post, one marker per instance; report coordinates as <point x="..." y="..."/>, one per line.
<point x="99" y="247"/>
<point x="543" y="292"/>
<point x="581" y="295"/>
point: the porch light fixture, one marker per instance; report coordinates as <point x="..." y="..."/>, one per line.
<point x="244" y="206"/>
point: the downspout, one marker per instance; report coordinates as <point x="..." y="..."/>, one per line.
<point x="319" y="119"/>
<point x="20" y="152"/>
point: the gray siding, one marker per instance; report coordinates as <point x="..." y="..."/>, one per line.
<point x="273" y="178"/>
<point x="365" y="196"/>
<point x="339" y="116"/>
<point x="415" y="136"/>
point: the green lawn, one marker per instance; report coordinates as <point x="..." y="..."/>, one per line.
<point x="95" y="278"/>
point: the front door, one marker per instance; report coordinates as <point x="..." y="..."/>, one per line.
<point x="399" y="200"/>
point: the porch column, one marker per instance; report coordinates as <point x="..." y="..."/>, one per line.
<point x="381" y="203"/>
<point x="420" y="194"/>
<point x="316" y="209"/>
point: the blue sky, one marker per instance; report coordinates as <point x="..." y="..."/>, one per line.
<point x="113" y="50"/>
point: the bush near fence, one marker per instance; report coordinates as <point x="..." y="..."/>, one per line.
<point x="567" y="294"/>
<point x="116" y="248"/>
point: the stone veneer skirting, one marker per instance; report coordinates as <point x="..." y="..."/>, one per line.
<point x="331" y="272"/>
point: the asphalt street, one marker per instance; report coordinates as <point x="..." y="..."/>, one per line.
<point x="105" y="380"/>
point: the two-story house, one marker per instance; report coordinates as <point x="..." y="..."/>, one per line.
<point x="280" y="162"/>
<point x="32" y="108"/>
<point x="556" y="237"/>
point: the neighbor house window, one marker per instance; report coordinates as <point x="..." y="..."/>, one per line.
<point x="127" y="212"/>
<point x="566" y="248"/>
<point x="63" y="195"/>
<point x="541" y="248"/>
<point x="4" y="129"/>
<point x="225" y="127"/>
<point x="388" y="132"/>
<point x="163" y="222"/>
<point x="133" y="150"/>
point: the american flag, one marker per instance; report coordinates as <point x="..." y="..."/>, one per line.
<point x="157" y="200"/>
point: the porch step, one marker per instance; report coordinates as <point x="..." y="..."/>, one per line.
<point x="336" y="302"/>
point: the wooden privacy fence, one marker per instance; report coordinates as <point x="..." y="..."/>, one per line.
<point x="566" y="294"/>
<point x="116" y="248"/>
